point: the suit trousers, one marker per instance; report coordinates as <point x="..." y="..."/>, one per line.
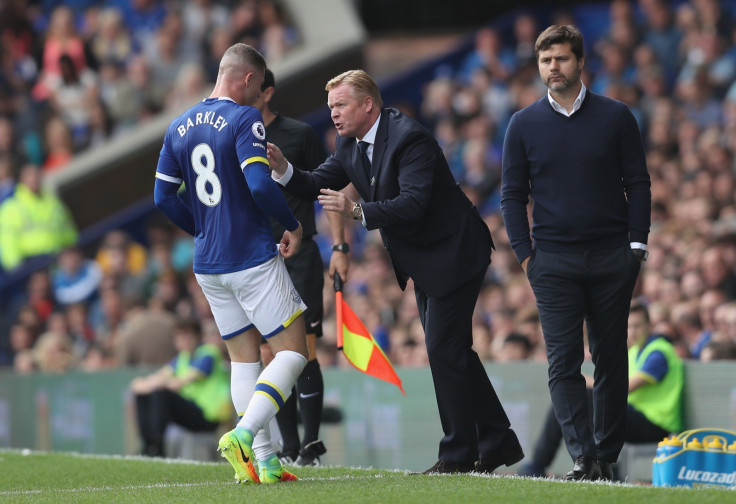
<point x="594" y="287"/>
<point x="638" y="430"/>
<point x="472" y="417"/>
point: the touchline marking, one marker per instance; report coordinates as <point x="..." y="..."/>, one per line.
<point x="156" y="486"/>
<point x="109" y="488"/>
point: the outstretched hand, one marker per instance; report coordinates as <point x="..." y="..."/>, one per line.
<point x="276" y="160"/>
<point x="335" y="201"/>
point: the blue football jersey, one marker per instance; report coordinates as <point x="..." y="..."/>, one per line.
<point x="208" y="148"/>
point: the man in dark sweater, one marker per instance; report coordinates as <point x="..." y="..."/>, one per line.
<point x="580" y="157"/>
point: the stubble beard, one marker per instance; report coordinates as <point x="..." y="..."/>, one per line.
<point x="560" y="85"/>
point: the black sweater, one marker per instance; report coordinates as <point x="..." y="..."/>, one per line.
<point x="586" y="174"/>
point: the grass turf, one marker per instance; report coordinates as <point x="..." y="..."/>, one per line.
<point x="39" y="477"/>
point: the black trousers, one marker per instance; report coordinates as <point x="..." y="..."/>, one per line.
<point x="638" y="430"/>
<point x="155" y="411"/>
<point x="473" y="420"/>
<point x="594" y="287"/>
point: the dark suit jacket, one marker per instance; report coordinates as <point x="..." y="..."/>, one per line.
<point x="430" y="229"/>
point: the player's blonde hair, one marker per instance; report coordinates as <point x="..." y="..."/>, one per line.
<point x="362" y="84"/>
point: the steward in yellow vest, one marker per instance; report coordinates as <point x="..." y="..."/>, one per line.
<point x="33" y="222"/>
<point x="192" y="391"/>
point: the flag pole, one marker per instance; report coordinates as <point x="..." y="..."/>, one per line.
<point x="338" y="308"/>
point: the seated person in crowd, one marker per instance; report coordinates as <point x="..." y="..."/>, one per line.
<point x="192" y="391"/>
<point x="656" y="381"/>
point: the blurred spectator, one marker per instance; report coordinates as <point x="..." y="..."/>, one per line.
<point x="718" y="350"/>
<point x="18" y="38"/>
<point x="190" y="86"/>
<point x="72" y="95"/>
<point x="80" y="330"/>
<point x="244" y="22"/>
<point x="61" y="38"/>
<point x="96" y="358"/>
<point x="107" y="317"/>
<point x="515" y="347"/>
<point x="488" y="55"/>
<point x="21" y="339"/>
<point x="661" y="34"/>
<point x="123" y="260"/>
<point x="75" y="279"/>
<point x="203" y="17"/>
<point x="616" y="68"/>
<point x="717" y="274"/>
<point x="168" y="55"/>
<point x="191" y="390"/>
<point x="100" y="125"/>
<point x="216" y="45"/>
<point x="11" y="146"/>
<point x="525" y="35"/>
<point x="145" y="98"/>
<point x="58" y="144"/>
<point x="111" y="42"/>
<point x="142" y="18"/>
<point x="277" y="36"/>
<point x="33" y="222"/>
<point x="53" y="352"/>
<point x="147" y="337"/>
<point x="7" y="178"/>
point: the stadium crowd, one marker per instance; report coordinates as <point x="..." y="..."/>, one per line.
<point x="74" y="74"/>
<point x="672" y="63"/>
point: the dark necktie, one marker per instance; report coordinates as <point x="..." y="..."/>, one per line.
<point x="363" y="148"/>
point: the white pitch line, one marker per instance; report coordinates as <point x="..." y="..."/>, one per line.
<point x="156" y="486"/>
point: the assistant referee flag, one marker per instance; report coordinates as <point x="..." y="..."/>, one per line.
<point x="357" y="343"/>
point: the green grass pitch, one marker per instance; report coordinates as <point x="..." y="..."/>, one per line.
<point x="40" y="477"/>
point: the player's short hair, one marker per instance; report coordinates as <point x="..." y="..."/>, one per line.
<point x="560" y="34"/>
<point x="362" y="84"/>
<point x="268" y="80"/>
<point x="247" y="55"/>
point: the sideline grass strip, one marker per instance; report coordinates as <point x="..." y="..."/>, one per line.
<point x="59" y="478"/>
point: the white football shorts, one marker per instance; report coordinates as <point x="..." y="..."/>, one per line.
<point x="262" y="296"/>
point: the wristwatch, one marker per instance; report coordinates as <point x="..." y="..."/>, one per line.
<point x="640" y="253"/>
<point x="357" y="211"/>
<point x="342" y="247"/>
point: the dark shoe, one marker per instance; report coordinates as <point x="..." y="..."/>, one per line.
<point x="585" y="469"/>
<point x="447" y="467"/>
<point x="606" y="470"/>
<point x="309" y="455"/>
<point x="286" y="458"/>
<point x="532" y="470"/>
<point x="487" y="465"/>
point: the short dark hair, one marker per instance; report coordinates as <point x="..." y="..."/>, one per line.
<point x="519" y="339"/>
<point x="637" y="307"/>
<point x="268" y="80"/>
<point x="560" y="34"/>
<point x="188" y="325"/>
<point x="721" y="350"/>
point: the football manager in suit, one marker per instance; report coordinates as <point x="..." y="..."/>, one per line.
<point x="433" y="235"/>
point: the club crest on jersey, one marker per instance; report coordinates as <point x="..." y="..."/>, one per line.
<point x="295" y="297"/>
<point x="259" y="130"/>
